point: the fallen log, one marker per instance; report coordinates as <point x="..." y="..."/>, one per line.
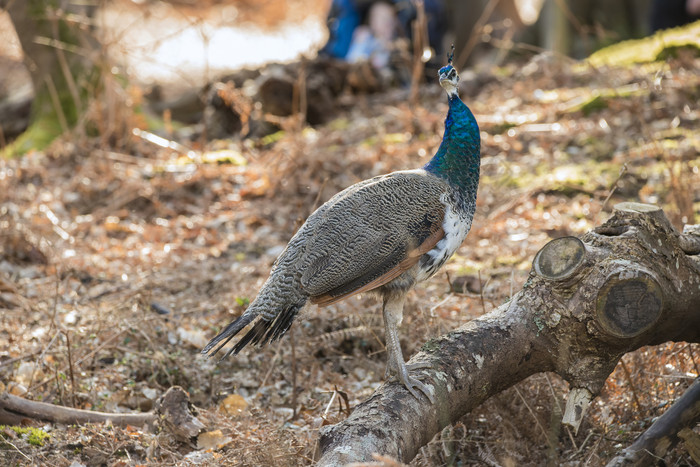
<point x="633" y="281"/>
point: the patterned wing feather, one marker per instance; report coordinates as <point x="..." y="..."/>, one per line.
<point x="352" y="287"/>
<point x="369" y="234"/>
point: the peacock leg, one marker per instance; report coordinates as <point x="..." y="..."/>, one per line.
<point x="393" y="315"/>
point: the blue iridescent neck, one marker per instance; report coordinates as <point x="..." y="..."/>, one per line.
<point x="458" y="158"/>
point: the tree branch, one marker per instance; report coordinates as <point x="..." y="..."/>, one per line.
<point x="173" y="412"/>
<point x="585" y="304"/>
<point x="13" y="410"/>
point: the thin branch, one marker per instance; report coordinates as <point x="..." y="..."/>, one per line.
<point x="63" y="62"/>
<point x="55" y="100"/>
<point x="537" y="420"/>
<point x="70" y="368"/>
<point x="17" y="449"/>
<point x="476" y="33"/>
<point x="13" y="408"/>
<point x="629" y="380"/>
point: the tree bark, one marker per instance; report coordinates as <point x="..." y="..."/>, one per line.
<point x="60" y="54"/>
<point x="586" y="303"/>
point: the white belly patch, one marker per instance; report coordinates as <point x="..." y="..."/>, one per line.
<point x="456" y="227"/>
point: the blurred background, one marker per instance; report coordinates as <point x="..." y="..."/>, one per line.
<point x="175" y="50"/>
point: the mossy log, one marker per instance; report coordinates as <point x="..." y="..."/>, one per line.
<point x="633" y="281"/>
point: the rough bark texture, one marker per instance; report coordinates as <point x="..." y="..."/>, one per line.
<point x="662" y="435"/>
<point x="628" y="284"/>
<point x="177" y="415"/>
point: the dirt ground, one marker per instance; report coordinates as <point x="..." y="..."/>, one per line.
<point x="118" y="265"/>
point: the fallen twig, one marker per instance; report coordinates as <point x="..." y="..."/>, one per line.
<point x="13" y="410"/>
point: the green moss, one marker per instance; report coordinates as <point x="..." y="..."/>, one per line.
<point x="586" y="177"/>
<point x="503" y="71"/>
<point x="660" y="46"/>
<point x="467" y="266"/>
<point x="510" y="179"/>
<point x="339" y="124"/>
<point x="55" y="108"/>
<point x="39" y="135"/>
<point x="676" y="51"/>
<point x="431" y="345"/>
<point x="508" y="260"/>
<point x="600" y="99"/>
<point x="539" y="323"/>
<point x="394" y="138"/>
<point x="272" y="138"/>
<point x="46" y="123"/>
<point x="34" y="436"/>
<point x="594" y="104"/>
<point x="370" y="142"/>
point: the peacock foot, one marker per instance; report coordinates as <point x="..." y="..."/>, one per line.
<point x="413" y="384"/>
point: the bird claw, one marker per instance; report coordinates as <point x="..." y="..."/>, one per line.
<point x="412" y="384"/>
<point x="409" y="382"/>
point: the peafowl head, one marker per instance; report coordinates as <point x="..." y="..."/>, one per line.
<point x="449" y="79"/>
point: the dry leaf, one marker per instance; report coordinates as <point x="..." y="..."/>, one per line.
<point x="233" y="405"/>
<point x="212" y="440"/>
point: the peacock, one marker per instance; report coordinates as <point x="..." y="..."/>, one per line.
<point x="381" y="235"/>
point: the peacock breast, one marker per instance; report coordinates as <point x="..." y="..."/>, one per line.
<point x="456" y="225"/>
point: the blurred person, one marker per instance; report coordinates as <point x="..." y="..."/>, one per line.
<point x="366" y="29"/>
<point x="343" y="18"/>
<point x="373" y="41"/>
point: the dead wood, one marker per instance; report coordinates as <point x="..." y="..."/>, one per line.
<point x="663" y="434"/>
<point x="624" y="285"/>
<point x="177" y="415"/>
<point x="16" y="410"/>
<point x="173" y="413"/>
